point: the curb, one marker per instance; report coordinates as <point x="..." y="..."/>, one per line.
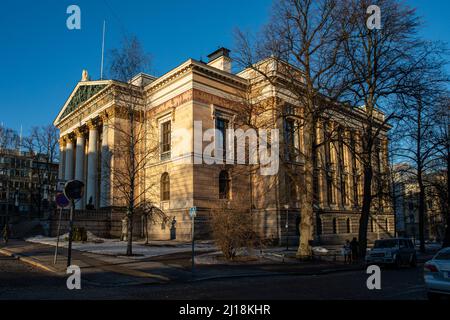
<point x="267" y="274"/>
<point x="28" y="260"/>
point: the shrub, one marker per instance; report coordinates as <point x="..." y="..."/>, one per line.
<point x="232" y="229"/>
<point x="79" y="234"/>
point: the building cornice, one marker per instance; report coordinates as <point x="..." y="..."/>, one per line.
<point x="193" y="66"/>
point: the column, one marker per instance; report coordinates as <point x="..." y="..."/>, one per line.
<point x="335" y="166"/>
<point x="321" y="166"/>
<point x="68" y="167"/>
<point x="387" y="203"/>
<point x="79" y="162"/>
<point x="348" y="164"/>
<point x="302" y="134"/>
<point x="105" y="184"/>
<point x="359" y="167"/>
<point x="62" y="147"/>
<point x="91" y="196"/>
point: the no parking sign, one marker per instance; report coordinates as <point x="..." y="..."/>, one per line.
<point x="61" y="201"/>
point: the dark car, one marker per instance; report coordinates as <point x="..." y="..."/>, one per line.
<point x="395" y="251"/>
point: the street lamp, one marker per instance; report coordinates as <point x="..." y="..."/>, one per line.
<point x="412" y="219"/>
<point x="286" y="207"/>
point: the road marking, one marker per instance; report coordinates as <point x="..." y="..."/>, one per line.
<point x="408" y="291"/>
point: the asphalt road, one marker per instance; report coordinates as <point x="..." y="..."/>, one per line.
<point x="20" y="281"/>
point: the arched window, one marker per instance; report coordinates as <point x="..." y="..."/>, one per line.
<point x="372" y="225"/>
<point x="334" y="226"/>
<point x="224" y="185"/>
<point x="165" y="187"/>
<point x="386" y="222"/>
<point x="349" y="226"/>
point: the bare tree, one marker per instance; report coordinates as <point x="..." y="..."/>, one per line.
<point x="151" y="215"/>
<point x="442" y="184"/>
<point x="303" y="42"/>
<point x="377" y="63"/>
<point x="42" y="145"/>
<point x="418" y="125"/>
<point x="133" y="148"/>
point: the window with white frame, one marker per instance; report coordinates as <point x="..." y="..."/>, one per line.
<point x="165" y="139"/>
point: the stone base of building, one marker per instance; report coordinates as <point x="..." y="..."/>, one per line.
<point x="330" y="228"/>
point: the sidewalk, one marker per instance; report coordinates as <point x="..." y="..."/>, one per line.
<point x="96" y="269"/>
<point x="109" y="270"/>
<point x="115" y="247"/>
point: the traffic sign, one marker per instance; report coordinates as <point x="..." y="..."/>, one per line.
<point x="193" y="212"/>
<point x="74" y="190"/>
<point x="61" y="201"/>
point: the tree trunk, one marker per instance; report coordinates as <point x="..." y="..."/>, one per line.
<point x="446" y="242"/>
<point x="365" y="211"/>
<point x="146" y="229"/>
<point x="306" y="221"/>
<point x="421" y="211"/>
<point x="130" y="233"/>
<point x="132" y="184"/>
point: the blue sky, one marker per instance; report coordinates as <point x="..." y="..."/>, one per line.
<point x="41" y="60"/>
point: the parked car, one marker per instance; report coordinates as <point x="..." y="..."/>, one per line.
<point x="395" y="251"/>
<point x="437" y="274"/>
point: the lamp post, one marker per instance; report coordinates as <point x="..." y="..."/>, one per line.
<point x="413" y="226"/>
<point x="286" y="207"/>
<point x="193" y="214"/>
<point x="7" y="211"/>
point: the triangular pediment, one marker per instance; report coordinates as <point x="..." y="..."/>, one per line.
<point x="82" y="93"/>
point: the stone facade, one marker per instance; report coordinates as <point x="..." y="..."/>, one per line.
<point x="210" y="93"/>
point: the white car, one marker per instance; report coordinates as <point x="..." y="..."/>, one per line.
<point x="437" y="274"/>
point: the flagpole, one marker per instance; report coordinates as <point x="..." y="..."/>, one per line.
<point x="103" y="49"/>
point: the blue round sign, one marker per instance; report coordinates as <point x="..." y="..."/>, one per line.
<point x="61" y="200"/>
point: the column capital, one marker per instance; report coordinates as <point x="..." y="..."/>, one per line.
<point x="92" y="124"/>
<point x="63" y="141"/>
<point x="334" y="126"/>
<point x="70" y="137"/>
<point x="320" y="124"/>
<point x="347" y="134"/>
<point x="80" y="132"/>
<point x="104" y="116"/>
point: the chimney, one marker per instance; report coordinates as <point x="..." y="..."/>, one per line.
<point x="220" y="59"/>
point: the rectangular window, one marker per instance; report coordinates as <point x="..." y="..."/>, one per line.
<point x="289" y="139"/>
<point x="222" y="126"/>
<point x="330" y="187"/>
<point x="165" y="140"/>
<point x="316" y="190"/>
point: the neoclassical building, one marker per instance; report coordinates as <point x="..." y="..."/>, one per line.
<point x="172" y="180"/>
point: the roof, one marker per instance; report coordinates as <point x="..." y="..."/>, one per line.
<point x="82" y="92"/>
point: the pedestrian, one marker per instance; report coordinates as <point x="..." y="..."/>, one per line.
<point x="346" y="251"/>
<point x="124" y="233"/>
<point x="354" y="249"/>
<point x="5" y="233"/>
